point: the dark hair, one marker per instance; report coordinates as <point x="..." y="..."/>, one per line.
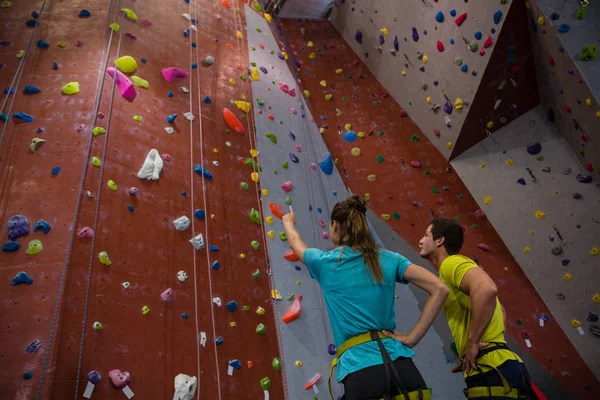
<point x="350" y="214"/>
<point x="451" y="231"/>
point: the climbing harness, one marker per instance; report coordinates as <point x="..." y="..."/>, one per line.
<point x="419" y="394"/>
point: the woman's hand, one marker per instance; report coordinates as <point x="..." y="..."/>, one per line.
<point x="406" y="340"/>
<point x="289" y="218"/>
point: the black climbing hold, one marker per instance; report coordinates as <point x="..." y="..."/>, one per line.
<point x="584" y="178"/>
<point x="215" y="265"/>
<point x="557" y="250"/>
<point x="577" y="196"/>
<point x="31" y="23"/>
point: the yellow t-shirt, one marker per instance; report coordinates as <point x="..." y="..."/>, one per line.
<point x="458" y="312"/>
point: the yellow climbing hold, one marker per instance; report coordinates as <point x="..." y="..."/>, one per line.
<point x="482" y="165"/>
<point x="267" y="17"/>
<point x="254" y="74"/>
<point x="284" y="54"/>
<point x="338" y="112"/>
<point x="367" y="196"/>
<point x="449" y="145"/>
<point x="232" y="324"/>
<point x="34" y="247"/>
<point x="103" y="256"/>
<point x="371" y="178"/>
<point x="594" y="251"/>
<point x="386" y="217"/>
<point x="115" y="27"/>
<point x="306" y="93"/>
<point x="298" y="283"/>
<point x="71" y="88"/>
<point x="531" y="233"/>
<point x="428" y="100"/>
<point x="339" y="71"/>
<point x="271" y="234"/>
<point x="321" y="130"/>
<point x="275" y="294"/>
<point x="540" y="214"/>
<point x="129" y="14"/>
<point x="360" y="135"/>
<point x="588" y="102"/>
<point x="425" y="59"/>
<point x="298" y="363"/>
<point x="355" y="151"/>
<point x="96" y="161"/>
<point x="243" y="105"/>
<point x="323" y="83"/>
<point x="215" y="150"/>
<point x="596" y="298"/>
<point x="20" y="53"/>
<point x="458" y="104"/>
<point x="145" y="310"/>
<point x="36" y="143"/>
<point x="598" y="113"/>
<point x="487" y="200"/>
<point x="490" y="124"/>
<point x="97" y="131"/>
<point x="112" y="185"/>
<point x="139" y="82"/>
<point x="348" y="127"/>
<point x="242" y="256"/>
<point x="239" y="35"/>
<point x="260" y="310"/>
<point x="510" y="161"/>
<point x="126" y="64"/>
<point x="310" y="44"/>
<point x="254" y="176"/>
<point x="269" y="220"/>
<point x="312" y="55"/>
<point x="5" y="4"/>
<point x="61" y="43"/>
<point x="527" y="250"/>
<point x="265" y="192"/>
<point x="254" y="153"/>
<point x="137" y="118"/>
<point x="328" y="96"/>
<point x="541" y="21"/>
<point x="384" y="31"/>
<point x="575" y="324"/>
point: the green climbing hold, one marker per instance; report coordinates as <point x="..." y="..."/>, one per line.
<point x="427" y="172"/>
<point x="588" y="53"/>
<point x="253" y="64"/>
<point x="474" y="47"/>
<point x="502" y="85"/>
<point x="380" y="133"/>
<point x="581" y="13"/>
<point x="254" y="216"/>
<point x="414" y="138"/>
<point x="349" y="76"/>
<point x="256" y="274"/>
<point x="457" y="217"/>
<point x="265" y="383"/>
<point x="344" y="98"/>
<point x="253" y="48"/>
<point x="540" y="158"/>
<point x="284" y="165"/>
<point x="261" y="329"/>
<point x="519" y="322"/>
<point x="396" y="216"/>
<point x="251" y="163"/>
<point x="243" y="77"/>
<point x="260" y="101"/>
<point x="379" y="159"/>
<point x="274" y="172"/>
<point x="376" y="103"/>
<point x="276" y="364"/>
<point x="367" y="54"/>
<point x="460" y="196"/>
<point x="458" y="61"/>
<point x="290" y="297"/>
<point x="255" y="244"/>
<point x="474" y="226"/>
<point x="271" y="137"/>
<point x="453" y="347"/>
<point x="283" y="236"/>
<point x="244" y="185"/>
<point x="280" y="122"/>
<point x="258" y="8"/>
<point x="435" y="191"/>
<point x="288" y="201"/>
<point x="246" y="308"/>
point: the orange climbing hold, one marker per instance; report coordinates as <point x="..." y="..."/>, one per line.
<point x="276" y="210"/>
<point x="226" y="3"/>
<point x="262" y="46"/>
<point x="229" y="45"/>
<point x="232" y="121"/>
<point x="293" y="311"/>
<point x="271" y="117"/>
<point x="291" y="256"/>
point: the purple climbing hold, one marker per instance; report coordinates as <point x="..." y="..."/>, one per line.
<point x="358" y="36"/>
<point x="415" y="34"/>
<point x="584" y="178"/>
<point x="331" y="349"/>
<point x="298" y="268"/>
<point x="534" y="148"/>
<point x="448" y="107"/>
<point x="94" y="377"/>
<point x="33" y="346"/>
<point x="292" y="136"/>
<point x="592" y="317"/>
<point x="294" y="158"/>
<point x="565" y="262"/>
<point x="297" y="63"/>
<point x="263" y="69"/>
<point x="435" y="83"/>
<point x="396" y="45"/>
<point x="17" y="226"/>
<point x="521" y="181"/>
<point x="281" y="57"/>
<point x="381" y="39"/>
<point x="554" y="16"/>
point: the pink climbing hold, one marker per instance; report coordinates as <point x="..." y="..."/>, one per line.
<point x="132" y="191"/>
<point x="415" y="164"/>
<point x="287" y="186"/>
<point x="298" y="148"/>
<point x="123" y="82"/>
<point x="119" y="379"/>
<point x="167" y="295"/>
<point x="166" y="157"/>
<point x="284" y="87"/>
<point x="460" y="19"/>
<point x="439" y="200"/>
<point x="313" y="166"/>
<point x="440" y="46"/>
<point x="479" y="214"/>
<point x="488" y="42"/>
<point x="322" y="223"/>
<point x="482" y="52"/>
<point x="325" y="235"/>
<point x="551" y="60"/>
<point x="172" y="73"/>
<point x="86" y="233"/>
<point x="355" y="62"/>
<point x="483" y="247"/>
<point x="292" y="92"/>
<point x="146" y="22"/>
<point x="567" y="108"/>
<point x="437" y="132"/>
<point x="293" y="110"/>
<point x="81" y="128"/>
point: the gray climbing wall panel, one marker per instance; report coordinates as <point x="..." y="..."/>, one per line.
<point x="399" y="18"/>
<point x="307" y="338"/>
<point x="512" y="212"/>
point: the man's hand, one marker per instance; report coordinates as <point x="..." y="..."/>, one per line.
<point x="406" y="340"/>
<point x="470" y="357"/>
<point x="289" y="218"/>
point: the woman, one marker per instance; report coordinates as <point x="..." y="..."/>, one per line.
<point x="358" y="281"/>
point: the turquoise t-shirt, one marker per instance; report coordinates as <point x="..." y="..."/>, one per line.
<point x="356" y="304"/>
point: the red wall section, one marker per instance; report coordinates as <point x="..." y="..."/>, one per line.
<point x="395" y="189"/>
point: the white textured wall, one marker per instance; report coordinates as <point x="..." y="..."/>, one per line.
<point x="512" y="214"/>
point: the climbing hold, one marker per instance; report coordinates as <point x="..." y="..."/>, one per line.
<point x="42" y="225"/>
<point x="103" y="256"/>
<point x="172" y="73"/>
<point x="488" y="42"/>
<point x="557" y="250"/>
<point x="439" y="16"/>
<point x="460" y="19"/>
<point x="33" y="346"/>
<point x="326" y="164"/>
<point x="197" y="241"/>
<point x="261" y="329"/>
<point x="182" y="223"/>
<point x="21" y="277"/>
<point x="588" y="53"/>
<point x="55" y="171"/>
<point x="440" y="46"/>
<point x="584" y="178"/>
<point x="203" y="171"/>
<point x="287" y="186"/>
<point x="182" y="276"/>
<point x="355" y="151"/>
<point x="567" y="277"/>
<point x="86" y="233"/>
<point x="31" y="89"/>
<point x="36" y="143"/>
<point x="11" y="247"/>
<point x="24" y="117"/>
<point x="124" y="84"/>
<point x="349" y="136"/>
<point x="594" y="251"/>
<point x="152" y="166"/>
<point x="271" y="137"/>
<point x="487" y="200"/>
<point x="540" y="215"/>
<point x="232" y="121"/>
<point x="581" y="13"/>
<point x="534" y="148"/>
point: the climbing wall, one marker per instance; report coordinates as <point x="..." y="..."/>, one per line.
<point x="553" y="234"/>
<point x="407" y="180"/>
<point x="569" y="87"/>
<point x="426" y="54"/>
<point x="291" y="150"/>
<point x="90" y="316"/>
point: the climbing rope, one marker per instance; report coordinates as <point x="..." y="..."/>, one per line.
<point x="72" y="230"/>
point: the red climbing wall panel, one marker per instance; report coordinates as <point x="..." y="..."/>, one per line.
<point x="395" y="190"/>
<point x="143" y="245"/>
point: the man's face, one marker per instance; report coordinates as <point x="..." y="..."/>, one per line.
<point x="427" y="245"/>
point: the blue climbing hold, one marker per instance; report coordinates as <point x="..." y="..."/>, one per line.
<point x="232" y="306"/>
<point x="213" y="248"/>
<point x="334" y="193"/>
<point x="171" y="118"/>
<point x="439" y="17"/>
<point x="207" y="100"/>
<point x="396" y="44"/>
<point x="30" y="89"/>
<point x="453" y="13"/>
<point x="497" y="17"/>
<point x="464" y="68"/>
<point x="34" y="14"/>
<point x="21" y="277"/>
<point x="309" y="207"/>
<point x="170" y="94"/>
<point x="235" y="364"/>
<point x="202" y="171"/>
<point x="131" y="208"/>
<point x="200" y="214"/>
<point x="33" y="346"/>
<point x="31" y="23"/>
<point x="11" y="247"/>
<point x="425" y="32"/>
<point x="42" y="44"/>
<point x="510" y="60"/>
<point x="84" y="13"/>
<point x="219" y="340"/>
<point x="187" y="1"/>
<point x="561" y="49"/>
<point x="326" y="164"/>
<point x="186" y="33"/>
<point x="512" y="48"/>
<point x="28" y="375"/>
<point x="349" y="136"/>
<point x="194" y="44"/>
<point x="55" y="171"/>
<point x="478" y="35"/>
<point x="4" y="117"/>
<point x="184" y="316"/>
<point x="215" y="265"/>
<point x="195" y="65"/>
<point x="319" y="210"/>
<point x="23" y="117"/>
<point x="291" y="136"/>
<point x="144" y="60"/>
<point x="42" y="225"/>
<point x="415" y="34"/>
<point x="564" y="28"/>
<point x="55" y="65"/>
<point x="184" y="193"/>
<point x="358" y="36"/>
<point x="381" y="40"/>
<point x="451" y="41"/>
<point x="194" y="21"/>
<point x="294" y="158"/>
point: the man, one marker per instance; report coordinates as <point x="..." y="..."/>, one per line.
<point x="475" y="317"/>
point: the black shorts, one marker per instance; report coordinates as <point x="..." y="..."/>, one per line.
<point x="370" y="383"/>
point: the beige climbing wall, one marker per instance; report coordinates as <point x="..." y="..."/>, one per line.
<point x="512" y="212"/>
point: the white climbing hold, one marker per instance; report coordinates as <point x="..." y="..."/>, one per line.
<point x="187" y="16"/>
<point x="169" y="130"/>
<point x="217" y="301"/>
<point x="197" y="242"/>
<point x="448" y="121"/>
<point x="184" y="89"/>
<point x="203" y="339"/>
<point x="216" y="163"/>
<point x="189" y="116"/>
<point x="152" y="166"/>
<point x="228" y="144"/>
<point x="182" y="276"/>
<point x="185" y="387"/>
<point x="126" y="285"/>
<point x="182" y="223"/>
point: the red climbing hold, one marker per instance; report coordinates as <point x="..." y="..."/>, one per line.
<point x="567" y="108"/>
<point x="440" y="46"/>
<point x="293" y="311"/>
<point x="551" y="60"/>
<point x="233" y="122"/>
<point x="276" y="210"/>
<point x="482" y="52"/>
<point x="589" y="167"/>
<point x="290" y="256"/>
<point x="488" y="42"/>
<point x="515" y="69"/>
<point x="437" y="132"/>
<point x="460" y="19"/>
<point x="403" y="113"/>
